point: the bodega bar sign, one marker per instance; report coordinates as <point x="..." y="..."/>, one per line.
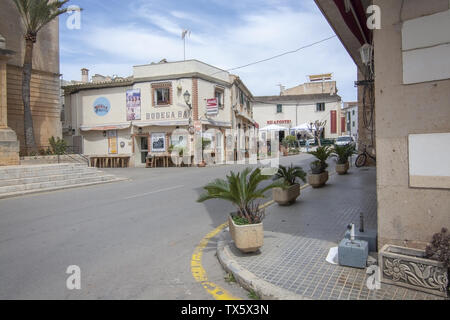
<point x="168" y="115"/>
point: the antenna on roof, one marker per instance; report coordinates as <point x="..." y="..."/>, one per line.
<point x="185" y="33"/>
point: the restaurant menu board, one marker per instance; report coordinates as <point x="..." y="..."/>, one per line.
<point x="133" y="104"/>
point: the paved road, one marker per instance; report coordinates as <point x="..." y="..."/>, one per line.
<point x="131" y="239"/>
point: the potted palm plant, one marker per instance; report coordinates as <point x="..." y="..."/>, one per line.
<point x="242" y="190"/>
<point x="342" y="153"/>
<point x="319" y="174"/>
<point x="289" y="192"/>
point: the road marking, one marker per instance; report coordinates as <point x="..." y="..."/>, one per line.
<point x="153" y="192"/>
<point x="199" y="273"/>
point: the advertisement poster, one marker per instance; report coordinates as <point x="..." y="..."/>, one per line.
<point x="133" y="104"/>
<point x="112" y="141"/>
<point x="158" y="142"/>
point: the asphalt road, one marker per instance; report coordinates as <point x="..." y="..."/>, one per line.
<point x="131" y="239"/>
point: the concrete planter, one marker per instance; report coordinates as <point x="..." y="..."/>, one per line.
<point x="318" y="180"/>
<point x="342" y="168"/>
<point x="286" y="196"/>
<point x="409" y="268"/>
<point x="247" y="238"/>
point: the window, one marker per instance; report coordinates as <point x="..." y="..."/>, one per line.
<point x="162" y="94"/>
<point x="218" y="94"/>
<point x="353" y="123"/>
<point x="279" y="108"/>
<point x="241" y="97"/>
<point x="320" y="106"/>
<point x="353" y="112"/>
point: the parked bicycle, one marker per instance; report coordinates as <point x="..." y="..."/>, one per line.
<point x="361" y="159"/>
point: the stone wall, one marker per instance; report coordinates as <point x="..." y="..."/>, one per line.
<point x="45" y="105"/>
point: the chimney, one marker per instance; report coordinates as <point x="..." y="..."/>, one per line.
<point x="84" y="75"/>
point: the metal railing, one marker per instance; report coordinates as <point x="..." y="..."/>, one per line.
<point x="73" y="152"/>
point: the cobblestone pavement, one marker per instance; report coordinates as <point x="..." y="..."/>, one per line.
<point x="298" y="237"/>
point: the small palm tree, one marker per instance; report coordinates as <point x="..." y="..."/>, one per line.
<point x="322" y="154"/>
<point x="343" y="153"/>
<point x="290" y="175"/>
<point x="242" y="190"/>
<point x="35" y="15"/>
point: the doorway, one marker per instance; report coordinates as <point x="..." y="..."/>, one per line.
<point x="143" y="148"/>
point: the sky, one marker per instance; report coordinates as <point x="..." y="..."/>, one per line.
<point x="116" y="35"/>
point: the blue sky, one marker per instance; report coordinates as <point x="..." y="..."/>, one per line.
<point x="117" y="34"/>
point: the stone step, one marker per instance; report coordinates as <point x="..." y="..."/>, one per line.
<point x="39" y="186"/>
<point x="36" y="171"/>
<point x="56" y="188"/>
<point x="58" y="175"/>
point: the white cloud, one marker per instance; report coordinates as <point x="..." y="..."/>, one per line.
<point x="240" y="40"/>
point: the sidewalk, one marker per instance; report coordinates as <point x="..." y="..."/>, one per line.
<point x="292" y="265"/>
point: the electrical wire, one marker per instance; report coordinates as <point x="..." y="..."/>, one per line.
<point x="277" y="56"/>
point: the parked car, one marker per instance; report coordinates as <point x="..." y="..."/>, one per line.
<point x="345" y="140"/>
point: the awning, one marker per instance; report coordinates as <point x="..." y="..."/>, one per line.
<point x="273" y="127"/>
<point x="216" y="123"/>
<point x="162" y="123"/>
<point x="103" y="127"/>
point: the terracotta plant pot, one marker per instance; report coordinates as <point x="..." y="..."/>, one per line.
<point x="247" y="238"/>
<point x="202" y="164"/>
<point x="286" y="196"/>
<point x="318" y="180"/>
<point x="407" y="267"/>
<point x="342" y="168"/>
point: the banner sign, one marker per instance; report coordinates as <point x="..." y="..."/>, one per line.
<point x="212" y="107"/>
<point x="112" y="141"/>
<point x="133" y="104"/>
<point x="101" y="106"/>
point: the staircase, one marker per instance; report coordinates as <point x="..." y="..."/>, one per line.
<point x="21" y="180"/>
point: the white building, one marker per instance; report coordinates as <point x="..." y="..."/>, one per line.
<point x="136" y="116"/>
<point x="350" y="111"/>
<point x="290" y="111"/>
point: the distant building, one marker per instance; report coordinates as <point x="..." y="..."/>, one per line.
<point x="303" y="104"/>
<point x="350" y="111"/>
<point x="137" y="116"/>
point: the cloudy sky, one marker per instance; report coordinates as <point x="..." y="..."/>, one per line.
<point x="117" y="34"/>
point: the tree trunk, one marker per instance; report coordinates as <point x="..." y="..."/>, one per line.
<point x="30" y="142"/>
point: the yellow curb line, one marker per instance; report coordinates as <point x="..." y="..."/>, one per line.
<point x="199" y="273"/>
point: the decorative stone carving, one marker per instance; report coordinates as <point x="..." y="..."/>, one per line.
<point x="409" y="268"/>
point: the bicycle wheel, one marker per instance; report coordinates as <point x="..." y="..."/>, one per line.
<point x="361" y="160"/>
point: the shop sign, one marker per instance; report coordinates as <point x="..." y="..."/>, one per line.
<point x="212" y="107"/>
<point x="169" y="115"/>
<point x="279" y="122"/>
<point x="101" y="106"/>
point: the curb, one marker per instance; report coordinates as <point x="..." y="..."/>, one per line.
<point x="248" y="280"/>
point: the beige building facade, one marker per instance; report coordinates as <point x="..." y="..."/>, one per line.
<point x="410" y="106"/>
<point x="45" y="84"/>
<point x="143" y="114"/>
